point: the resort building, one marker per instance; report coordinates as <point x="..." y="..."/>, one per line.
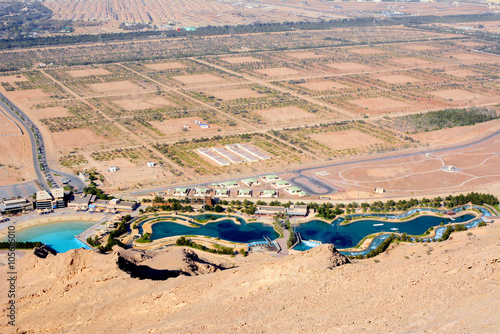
<point x="244" y="193"/>
<point x="16" y="205"/>
<point x="202" y="192"/>
<point x="270" y="178"/>
<point x="295" y="191"/>
<point x="84" y="176"/>
<point x="58" y="194"/>
<point x="266" y="210"/>
<point x="80" y="202"/>
<point x="251" y="182"/>
<point x="222" y="193"/>
<point x="43" y="200"/>
<point x="231" y="184"/>
<point x="115" y="205"/>
<point x="281" y="184"/>
<point x="268" y="193"/>
<point x="181" y="192"/>
<point x="297" y="210"/>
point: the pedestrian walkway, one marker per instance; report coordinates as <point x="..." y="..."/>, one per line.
<point x="282" y="243"/>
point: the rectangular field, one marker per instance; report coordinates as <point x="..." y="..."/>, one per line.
<point x="165" y="66"/>
<point x="241" y="60"/>
<point x="277" y="71"/>
<point x="231" y="94"/>
<point x="398" y="79"/>
<point x="342" y="140"/>
<point x="143" y="103"/>
<point x="198" y="78"/>
<point x="456" y="95"/>
<point x="322" y="85"/>
<point x="122" y="87"/>
<point x="379" y="104"/>
<point x="88" y="72"/>
<point x="284" y="114"/>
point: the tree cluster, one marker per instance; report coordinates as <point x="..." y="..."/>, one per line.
<point x="183" y="241"/>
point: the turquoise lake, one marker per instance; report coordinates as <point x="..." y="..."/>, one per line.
<point x="346" y="236"/>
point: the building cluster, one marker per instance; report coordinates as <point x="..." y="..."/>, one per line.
<point x="46" y="201"/>
<point x="271" y="187"/>
<point x="292" y="211"/>
<point x="85" y="202"/>
<point x="233" y="154"/>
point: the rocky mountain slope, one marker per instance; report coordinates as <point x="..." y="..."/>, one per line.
<point x="448" y="287"/>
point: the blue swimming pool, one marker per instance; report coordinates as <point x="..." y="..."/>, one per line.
<point x="60" y="236"/>
<point x="225" y="229"/>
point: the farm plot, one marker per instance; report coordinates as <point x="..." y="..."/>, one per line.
<point x="366" y="51"/>
<point x="50" y="112"/>
<point x="350" y="67"/>
<point x="472" y="58"/>
<point x="320" y="86"/>
<point x="380" y="105"/>
<point x="165" y="66"/>
<point x="144" y="103"/>
<point x="398" y="79"/>
<point x="410" y="62"/>
<point x="241" y="60"/>
<point x="185" y="125"/>
<point x="421" y="47"/>
<point x="285" y="114"/>
<point x="232" y="94"/>
<point x="277" y="71"/>
<point x="196" y="79"/>
<point x="82" y="139"/>
<point x="117" y="87"/>
<point x="27" y="97"/>
<point x="461" y="72"/>
<point x="457" y="95"/>
<point x="12" y="79"/>
<point x="305" y="55"/>
<point x="88" y="72"/>
<point x="348" y="139"/>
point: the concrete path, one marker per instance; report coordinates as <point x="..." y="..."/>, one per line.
<point x="282" y="243"/>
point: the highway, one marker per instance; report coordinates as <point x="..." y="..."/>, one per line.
<point x="16" y="114"/>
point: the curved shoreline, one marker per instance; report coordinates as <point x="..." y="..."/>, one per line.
<point x="427" y="238"/>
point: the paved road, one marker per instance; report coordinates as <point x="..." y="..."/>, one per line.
<point x="74" y="180"/>
<point x="318" y="183"/>
<point x="16" y="114"/>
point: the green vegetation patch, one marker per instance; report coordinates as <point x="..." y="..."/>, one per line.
<point x="441" y="119"/>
